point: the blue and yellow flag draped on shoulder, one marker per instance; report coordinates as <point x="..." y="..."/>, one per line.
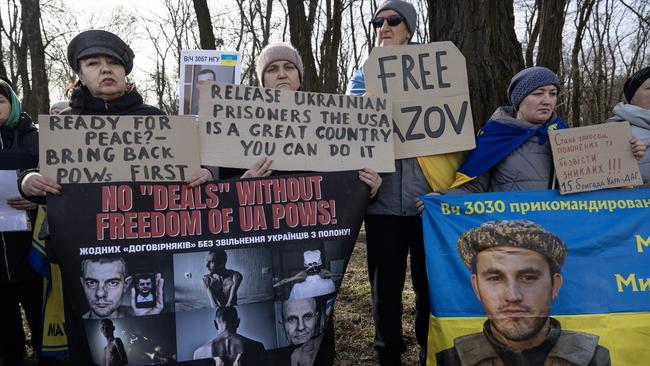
<point x="54" y="342"/>
<point x="494" y="142"/>
<point x="606" y="287"/>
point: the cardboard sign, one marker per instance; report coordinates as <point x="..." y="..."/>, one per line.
<point x="427" y="85"/>
<point x="93" y="149"/>
<point x="594" y="157"/>
<point x="297" y="130"/>
<point x="201" y="66"/>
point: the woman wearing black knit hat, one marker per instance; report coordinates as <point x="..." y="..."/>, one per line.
<point x="101" y="60"/>
<point x="637" y="111"/>
<point x="19" y="284"/>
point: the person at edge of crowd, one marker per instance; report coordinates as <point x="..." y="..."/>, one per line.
<point x="512" y="149"/>
<point x="58" y="107"/>
<point x="101" y="60"/>
<point x="516" y="274"/>
<point x="20" y="284"/>
<point x="279" y="66"/>
<point x="230" y="348"/>
<point x="636" y="110"/>
<point x="114" y="353"/>
<point x="393" y="227"/>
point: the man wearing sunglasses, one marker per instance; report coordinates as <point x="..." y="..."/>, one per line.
<point x="393" y="227"/>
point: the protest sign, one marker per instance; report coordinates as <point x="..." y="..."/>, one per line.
<point x="10" y="218"/>
<point x="427" y="85"/>
<point x="166" y="263"/>
<point x="297" y="130"/>
<point x="600" y="287"/>
<point x="94" y="149"/>
<point x="594" y="157"/>
<point x="201" y="66"/>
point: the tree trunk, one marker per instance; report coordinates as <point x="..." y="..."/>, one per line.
<point x="484" y="31"/>
<point x="584" y="12"/>
<point x="301" y="29"/>
<point x="330" y="47"/>
<point x="31" y="24"/>
<point x="206" y="35"/>
<point x="551" y="24"/>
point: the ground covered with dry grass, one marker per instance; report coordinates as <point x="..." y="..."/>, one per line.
<point x="354" y="326"/>
<point x="353" y="323"/>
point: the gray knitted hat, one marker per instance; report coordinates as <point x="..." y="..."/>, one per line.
<point x="403" y="8"/>
<point x="278" y="52"/>
<point x="99" y="42"/>
<point x="528" y="80"/>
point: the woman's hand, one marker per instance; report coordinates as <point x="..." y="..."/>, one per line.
<point x="420" y="205"/>
<point x="371" y="178"/>
<point x="20" y="203"/>
<point x="261" y="168"/>
<point x="638" y="148"/>
<point x="35" y="184"/>
<point x="199" y="178"/>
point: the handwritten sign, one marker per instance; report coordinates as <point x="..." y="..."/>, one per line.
<point x="594" y="157"/>
<point x="427" y="85"/>
<point x="93" y="149"/>
<point x="297" y="130"/>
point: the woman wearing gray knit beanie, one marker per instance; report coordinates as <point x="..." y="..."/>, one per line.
<point x="637" y="111"/>
<point x="512" y="149"/>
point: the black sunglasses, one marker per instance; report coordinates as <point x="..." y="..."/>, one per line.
<point x="392" y="20"/>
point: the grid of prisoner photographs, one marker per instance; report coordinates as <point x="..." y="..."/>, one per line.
<point x="253" y="305"/>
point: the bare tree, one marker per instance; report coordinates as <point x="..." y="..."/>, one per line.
<point x="485" y="34"/>
<point x="551" y="24"/>
<point x="584" y="8"/>
<point x="205" y="24"/>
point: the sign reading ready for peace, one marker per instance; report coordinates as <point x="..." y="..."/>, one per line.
<point x="427" y="85"/>
<point x="238" y="124"/>
<point x="95" y="149"/>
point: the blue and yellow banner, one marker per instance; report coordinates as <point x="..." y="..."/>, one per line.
<point x="605" y="289"/>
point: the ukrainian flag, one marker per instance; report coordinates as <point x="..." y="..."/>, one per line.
<point x="606" y="287"/>
<point x="494" y="142"/>
<point x="228" y="59"/>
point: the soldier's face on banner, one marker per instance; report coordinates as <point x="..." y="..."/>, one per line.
<point x="300" y="319"/>
<point x="516" y="289"/>
<point x="103" y="285"/>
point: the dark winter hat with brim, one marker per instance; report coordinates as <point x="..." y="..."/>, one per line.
<point x="634" y="83"/>
<point x="403" y="8"/>
<point x="527" y="81"/>
<point x="99" y="42"/>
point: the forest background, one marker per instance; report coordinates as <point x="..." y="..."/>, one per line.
<point x="593" y="45"/>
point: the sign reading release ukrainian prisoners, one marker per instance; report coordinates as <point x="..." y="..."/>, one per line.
<point x="594" y="157"/>
<point x="427" y="85"/>
<point x="238" y="124"/>
<point x="96" y="149"/>
<point x="159" y="273"/>
<point x="542" y="264"/>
